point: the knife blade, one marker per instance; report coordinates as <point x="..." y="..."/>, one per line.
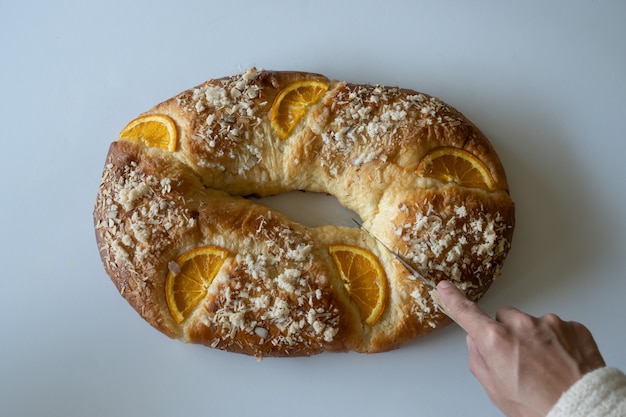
<point x="433" y="287"/>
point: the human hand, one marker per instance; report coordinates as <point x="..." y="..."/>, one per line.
<point x="523" y="362"/>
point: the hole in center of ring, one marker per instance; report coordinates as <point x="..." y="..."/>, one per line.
<point x="310" y="209"/>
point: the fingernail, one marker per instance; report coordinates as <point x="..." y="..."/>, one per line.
<point x="444" y="284"/>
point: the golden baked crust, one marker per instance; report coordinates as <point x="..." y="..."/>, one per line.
<point x="279" y="292"/>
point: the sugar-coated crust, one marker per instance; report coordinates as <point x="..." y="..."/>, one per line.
<point x="279" y="292"/>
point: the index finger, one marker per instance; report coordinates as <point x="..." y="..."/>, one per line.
<point x="463" y="311"/>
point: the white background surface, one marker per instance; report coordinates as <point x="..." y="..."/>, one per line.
<point x="545" y="81"/>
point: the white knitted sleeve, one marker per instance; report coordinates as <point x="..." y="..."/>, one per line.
<point x="601" y="393"/>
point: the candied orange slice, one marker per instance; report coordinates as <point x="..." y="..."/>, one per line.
<point x="364" y="278"/>
<point x="449" y="164"/>
<point x="189" y="278"/>
<point x="292" y="103"/>
<point x="157" y="130"/>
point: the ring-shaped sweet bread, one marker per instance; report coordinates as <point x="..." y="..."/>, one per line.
<point x="201" y="262"/>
